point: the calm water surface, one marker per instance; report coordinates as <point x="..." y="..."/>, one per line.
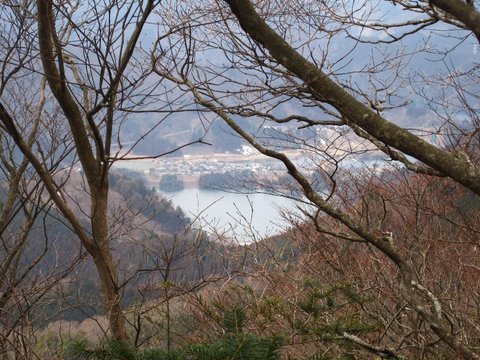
<point x="240" y="215"/>
<point x="244" y="215"/>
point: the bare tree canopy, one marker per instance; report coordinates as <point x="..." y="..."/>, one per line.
<point x="372" y="108"/>
<point x="283" y="63"/>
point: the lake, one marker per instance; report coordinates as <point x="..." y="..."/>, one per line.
<point x="246" y="216"/>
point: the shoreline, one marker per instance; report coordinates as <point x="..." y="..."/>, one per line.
<point x="190" y="167"/>
<point x="189" y="181"/>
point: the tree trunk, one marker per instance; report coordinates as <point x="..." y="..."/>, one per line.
<point x="102" y="257"/>
<point x="110" y="292"/>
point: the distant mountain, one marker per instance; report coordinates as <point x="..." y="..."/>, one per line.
<point x="349" y="60"/>
<point x="177" y="130"/>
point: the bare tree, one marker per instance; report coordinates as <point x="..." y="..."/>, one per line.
<point x="87" y="57"/>
<point x="289" y="63"/>
<point x="27" y="279"/>
<point x="97" y="75"/>
<point x="34" y="262"/>
<point x="274" y="63"/>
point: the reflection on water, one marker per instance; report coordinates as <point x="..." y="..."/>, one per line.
<point x="219" y="211"/>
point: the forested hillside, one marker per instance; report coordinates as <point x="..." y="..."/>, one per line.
<point x="365" y="114"/>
